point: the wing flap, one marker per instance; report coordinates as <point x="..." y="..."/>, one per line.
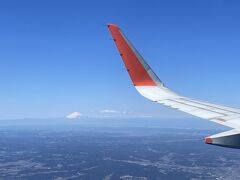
<point x="191" y="109"/>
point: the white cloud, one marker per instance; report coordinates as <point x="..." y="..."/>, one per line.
<point x="112" y="113"/>
<point x="74" y="115"/>
<point x="109" y="111"/>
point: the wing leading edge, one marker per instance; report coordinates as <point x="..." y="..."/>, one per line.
<point x="150" y="86"/>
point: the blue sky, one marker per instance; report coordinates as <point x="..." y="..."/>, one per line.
<point x="57" y="56"/>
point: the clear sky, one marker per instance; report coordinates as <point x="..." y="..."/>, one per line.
<point x="57" y="56"/>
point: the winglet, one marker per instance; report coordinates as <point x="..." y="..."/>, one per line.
<point x="139" y="71"/>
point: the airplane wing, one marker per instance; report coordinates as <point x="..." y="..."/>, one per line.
<point x="150" y="86"/>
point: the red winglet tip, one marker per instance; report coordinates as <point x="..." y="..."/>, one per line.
<point x="208" y="140"/>
<point x="136" y="69"/>
<point x="112" y="25"/>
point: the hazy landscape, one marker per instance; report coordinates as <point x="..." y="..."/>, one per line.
<point x="106" y="149"/>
